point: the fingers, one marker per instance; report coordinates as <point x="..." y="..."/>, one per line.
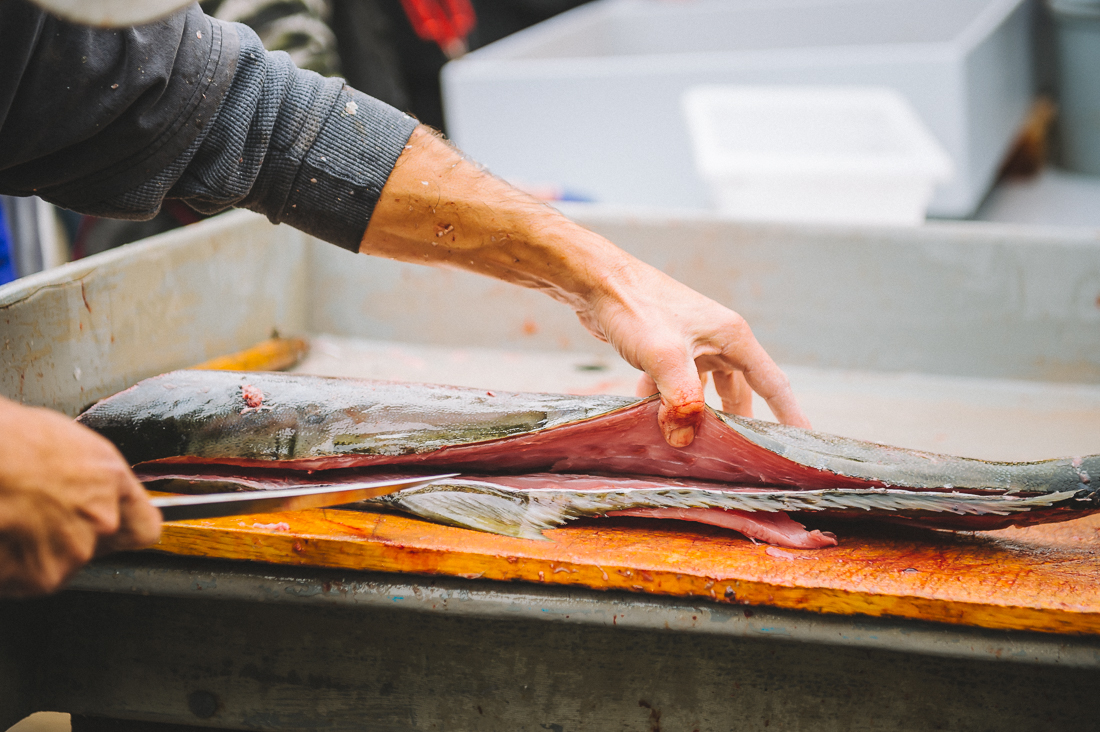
<point x="71" y="545"/>
<point x="66" y="493"/>
<point x="139" y="524"/>
<point x="39" y="548"/>
<point x="735" y="392"/>
<point x="755" y="372"/>
<point x="676" y="335"/>
<point x="134" y="522"/>
<point x="738" y="348"/>
<point x="769" y="381"/>
<point x="143" y="522"/>
<point x="785" y="408"/>
<point x="682" y="403"/>
<point x="683" y="399"/>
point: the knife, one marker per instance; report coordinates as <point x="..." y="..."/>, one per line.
<point x="215" y="505"/>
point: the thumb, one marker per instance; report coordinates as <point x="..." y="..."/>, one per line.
<point x="682" y="399"/>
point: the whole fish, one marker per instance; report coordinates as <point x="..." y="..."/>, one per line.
<point x="530" y="462"/>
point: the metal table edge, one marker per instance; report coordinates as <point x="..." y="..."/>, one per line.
<point x="214" y="579"/>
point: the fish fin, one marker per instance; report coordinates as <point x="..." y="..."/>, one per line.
<point x="484" y="509"/>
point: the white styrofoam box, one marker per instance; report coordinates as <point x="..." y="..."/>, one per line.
<point x="589" y="101"/>
<point x="814" y="154"/>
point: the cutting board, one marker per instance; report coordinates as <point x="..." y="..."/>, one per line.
<point x="1044" y="578"/>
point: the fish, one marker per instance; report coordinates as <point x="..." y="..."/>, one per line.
<point x="529" y="462"/>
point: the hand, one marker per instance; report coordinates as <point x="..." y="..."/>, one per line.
<point x="677" y="337"/>
<point x="439" y="208"/>
<point x="66" y="495"/>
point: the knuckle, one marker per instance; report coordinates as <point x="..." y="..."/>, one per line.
<point x="106" y="518"/>
<point x="734" y="323"/>
<point x="667" y="355"/>
<point x="118" y="474"/>
<point x="737" y="321"/>
<point x="776" y="386"/>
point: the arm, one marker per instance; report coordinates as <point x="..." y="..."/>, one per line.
<point x="439" y="208"/>
<point x="320" y="156"/>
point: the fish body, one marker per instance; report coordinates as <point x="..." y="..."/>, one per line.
<point x="534" y="461"/>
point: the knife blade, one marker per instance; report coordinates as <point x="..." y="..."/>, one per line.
<point x="216" y="505"/>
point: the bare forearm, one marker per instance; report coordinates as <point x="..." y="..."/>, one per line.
<point x="439" y="208"/>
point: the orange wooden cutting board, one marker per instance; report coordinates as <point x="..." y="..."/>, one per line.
<point x="1044" y="578"/>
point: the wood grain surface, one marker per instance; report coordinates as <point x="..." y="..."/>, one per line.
<point x="1044" y="578"/>
<point x="274" y="354"/>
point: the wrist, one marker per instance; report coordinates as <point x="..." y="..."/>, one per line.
<point x="591" y="268"/>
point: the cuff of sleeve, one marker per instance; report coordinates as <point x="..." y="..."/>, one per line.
<point x="342" y="175"/>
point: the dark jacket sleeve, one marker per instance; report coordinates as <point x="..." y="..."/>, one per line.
<point x="112" y="122"/>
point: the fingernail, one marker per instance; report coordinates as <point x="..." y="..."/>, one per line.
<point x="681" y="436"/>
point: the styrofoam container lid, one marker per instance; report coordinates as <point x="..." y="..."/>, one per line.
<point x="810" y="130"/>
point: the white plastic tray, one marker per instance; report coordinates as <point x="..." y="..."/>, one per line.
<point x="814" y="154"/>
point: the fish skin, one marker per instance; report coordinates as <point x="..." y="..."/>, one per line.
<point x="191" y="422"/>
<point x="197" y="414"/>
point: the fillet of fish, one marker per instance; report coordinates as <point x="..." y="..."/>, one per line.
<point x="530" y="462"/>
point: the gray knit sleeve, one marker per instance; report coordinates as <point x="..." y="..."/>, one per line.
<point x="297" y="147"/>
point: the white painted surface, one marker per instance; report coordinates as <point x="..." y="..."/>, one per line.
<point x="962" y="298"/>
<point x="87" y="329"/>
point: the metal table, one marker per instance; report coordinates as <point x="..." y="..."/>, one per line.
<point x="218" y="644"/>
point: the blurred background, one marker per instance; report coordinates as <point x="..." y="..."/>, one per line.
<point x="884" y="112"/>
